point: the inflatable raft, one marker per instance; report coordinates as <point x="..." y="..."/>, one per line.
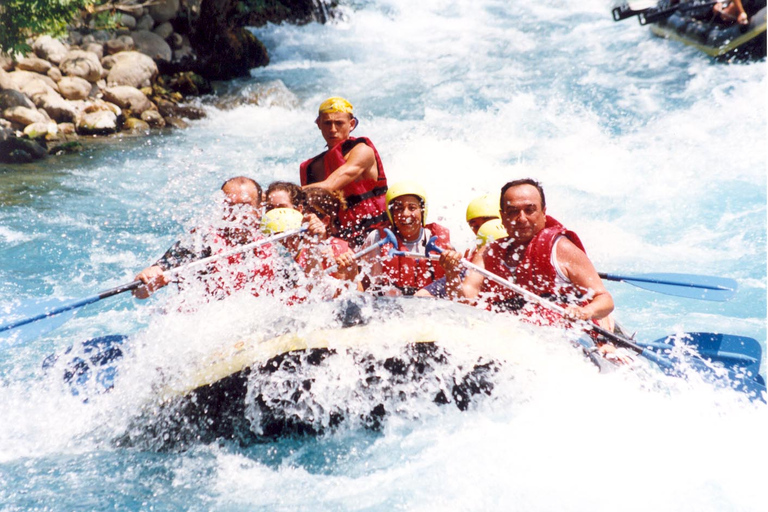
<point x="695" y="24"/>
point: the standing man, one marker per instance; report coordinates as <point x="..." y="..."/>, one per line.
<point x="350" y="165"/>
<point x="539" y="254"/>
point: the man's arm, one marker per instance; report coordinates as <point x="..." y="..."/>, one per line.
<point x="361" y="164"/>
<point x="579" y="270"/>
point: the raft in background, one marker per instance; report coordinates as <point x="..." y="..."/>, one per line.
<point x="694" y="24"/>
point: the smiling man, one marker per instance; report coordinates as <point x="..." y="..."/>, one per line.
<point x="350" y="165"/>
<point x="539" y="254"/>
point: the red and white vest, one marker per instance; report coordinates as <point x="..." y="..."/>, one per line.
<point x="408" y="274"/>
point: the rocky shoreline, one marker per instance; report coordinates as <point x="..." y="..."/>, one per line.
<point x="133" y="77"/>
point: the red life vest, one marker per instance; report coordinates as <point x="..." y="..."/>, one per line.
<point x="337" y="245"/>
<point x="411" y="274"/>
<point x="228" y="275"/>
<point x="365" y="198"/>
<point x="534" y="272"/>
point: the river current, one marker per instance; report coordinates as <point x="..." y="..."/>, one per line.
<point x="648" y="149"/>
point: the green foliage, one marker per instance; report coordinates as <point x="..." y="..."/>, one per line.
<point x="22" y="19"/>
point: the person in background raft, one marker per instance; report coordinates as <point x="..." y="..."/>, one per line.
<point x="350" y="165"/>
<point x="483" y="219"/>
<point x="240" y="225"/>
<point x="403" y="275"/>
<point x="283" y="194"/>
<point x="731" y="11"/>
<point x="539" y="255"/>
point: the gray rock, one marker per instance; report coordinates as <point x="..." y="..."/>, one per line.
<point x="170" y="109"/>
<point x="102" y="36"/>
<point x="131" y="68"/>
<point x="146" y="22"/>
<point x="175" y="122"/>
<point x="34" y="64"/>
<point x="75" y="37"/>
<point x="127" y="97"/>
<point x="153" y="118"/>
<point x="74" y="88"/>
<point x="49" y="49"/>
<point x="127" y="21"/>
<point x="177" y="40"/>
<point x="152" y="45"/>
<point x="164" y="10"/>
<point x="10" y="98"/>
<point x="131" y="7"/>
<point x="120" y="44"/>
<point x="95" y="48"/>
<point x="24" y="116"/>
<point x="83" y="64"/>
<point x="15" y="150"/>
<point x="100" y="122"/>
<point x="164" y="30"/>
<point x="57" y="107"/>
<point x="88" y="39"/>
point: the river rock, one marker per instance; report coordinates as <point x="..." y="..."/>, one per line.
<point x="41" y="130"/>
<point x="22" y="79"/>
<point x="49" y="100"/>
<point x="6" y="63"/>
<point x="15" y="150"/>
<point x="49" y="49"/>
<point x="153" y="118"/>
<point x="127" y="97"/>
<point x="164" y="10"/>
<point x="10" y="98"/>
<point x="95" y="48"/>
<point x="175" y="122"/>
<point x="135" y="125"/>
<point x="67" y="128"/>
<point x="75" y="37"/>
<point x="119" y="44"/>
<point x="152" y="45"/>
<point x="131" y="68"/>
<point x="170" y="109"/>
<point x="83" y="64"/>
<point x="164" y="30"/>
<point x="100" y="122"/>
<point x="34" y="64"/>
<point x="54" y="74"/>
<point x="24" y="115"/>
<point x="127" y="21"/>
<point x="74" y="88"/>
<point x="146" y="22"/>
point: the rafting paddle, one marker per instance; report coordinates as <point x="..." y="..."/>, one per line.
<point x="681" y="285"/>
<point x="389" y="238"/>
<point x="49" y="308"/>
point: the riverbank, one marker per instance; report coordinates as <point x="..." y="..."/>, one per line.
<point x="133" y="72"/>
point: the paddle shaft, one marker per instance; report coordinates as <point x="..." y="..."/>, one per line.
<point x="614" y="277"/>
<point x="135" y="284"/>
<point x="389" y="238"/>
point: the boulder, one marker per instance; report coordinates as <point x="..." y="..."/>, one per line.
<point x="5" y="81"/>
<point x="126" y="20"/>
<point x="74" y="88"/>
<point x="49" y="49"/>
<point x="34" y="64"/>
<point x="49" y="100"/>
<point x="67" y="128"/>
<point x="15" y="150"/>
<point x="100" y="122"/>
<point x="134" y="125"/>
<point x="175" y="122"/>
<point x="10" y="98"/>
<point x="164" y="10"/>
<point x="119" y="44"/>
<point x="83" y="64"/>
<point x="127" y="97"/>
<point x="164" y="30"/>
<point x="24" y="115"/>
<point x="145" y="23"/>
<point x="22" y="79"/>
<point x="131" y="68"/>
<point x="54" y="74"/>
<point x="6" y="63"/>
<point x="153" y="118"/>
<point x="41" y="130"/>
<point x="170" y="109"/>
<point x="152" y="45"/>
<point x="95" y="48"/>
<point x="75" y="38"/>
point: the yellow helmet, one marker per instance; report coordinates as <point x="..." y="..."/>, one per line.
<point x="335" y="104"/>
<point x="280" y="219"/>
<point x="407" y="188"/>
<point x="483" y="206"/>
<point x="490" y="231"/>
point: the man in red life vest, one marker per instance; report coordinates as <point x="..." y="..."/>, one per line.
<point x="350" y="165"/>
<point x="540" y="255"/>
<point x="403" y="275"/>
<point x="240" y="225"/>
